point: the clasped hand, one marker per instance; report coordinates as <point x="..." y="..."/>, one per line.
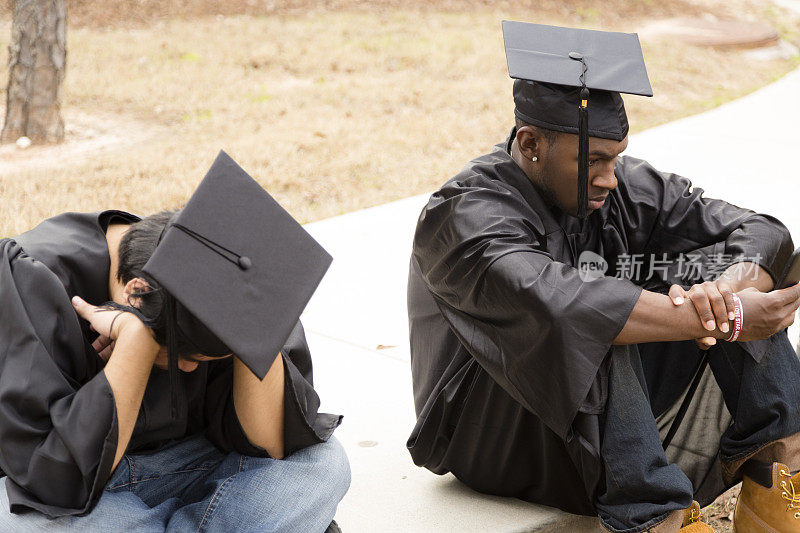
<point x="765" y="313"/>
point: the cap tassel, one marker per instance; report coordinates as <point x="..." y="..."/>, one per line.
<point x="243" y="262"/>
<point x="583" y="154"/>
<point x="172" y="357"/>
<point x="583" y="140"/>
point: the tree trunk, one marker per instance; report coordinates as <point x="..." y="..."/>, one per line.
<point x="37" y="60"/>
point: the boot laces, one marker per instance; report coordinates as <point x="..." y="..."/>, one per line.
<point x="788" y="493"/>
<point x="695" y="516"/>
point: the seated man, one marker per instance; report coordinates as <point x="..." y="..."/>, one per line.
<point x="538" y="379"/>
<point x="185" y="402"/>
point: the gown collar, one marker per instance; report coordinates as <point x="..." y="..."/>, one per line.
<point x="73" y="246"/>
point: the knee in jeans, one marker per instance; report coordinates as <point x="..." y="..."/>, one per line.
<point x="333" y="466"/>
<point x="326" y="463"/>
<point x="342" y="468"/>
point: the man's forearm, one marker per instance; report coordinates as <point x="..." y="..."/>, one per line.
<point x="259" y="405"/>
<point x="745" y="275"/>
<point x="127" y="371"/>
<point x="655" y="318"/>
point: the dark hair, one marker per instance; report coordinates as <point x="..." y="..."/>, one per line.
<point x="135" y="249"/>
<point x="139" y="243"/>
<point x="549" y="135"/>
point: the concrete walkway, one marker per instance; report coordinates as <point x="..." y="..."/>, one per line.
<point x="747" y="152"/>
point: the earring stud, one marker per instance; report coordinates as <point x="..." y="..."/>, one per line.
<point x="534" y="158"/>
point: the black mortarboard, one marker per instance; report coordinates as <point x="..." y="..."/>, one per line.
<point x="555" y="68"/>
<point x="238" y="267"/>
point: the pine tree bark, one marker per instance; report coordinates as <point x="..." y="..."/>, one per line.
<point x="37" y="62"/>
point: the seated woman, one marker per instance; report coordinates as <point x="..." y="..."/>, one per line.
<point x="154" y="374"/>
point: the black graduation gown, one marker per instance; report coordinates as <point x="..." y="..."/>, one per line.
<point x="58" y="426"/>
<point x="509" y="346"/>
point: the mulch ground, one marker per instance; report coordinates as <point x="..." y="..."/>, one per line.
<point x="720" y="513"/>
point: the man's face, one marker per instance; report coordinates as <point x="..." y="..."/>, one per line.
<point x="557" y="175"/>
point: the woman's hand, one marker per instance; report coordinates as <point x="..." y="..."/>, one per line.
<point x="108" y="323"/>
<point x="104" y="347"/>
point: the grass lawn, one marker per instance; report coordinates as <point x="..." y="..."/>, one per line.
<point x="331" y="109"/>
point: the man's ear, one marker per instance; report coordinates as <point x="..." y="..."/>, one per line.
<point x="529" y="142"/>
<point x="134" y="287"/>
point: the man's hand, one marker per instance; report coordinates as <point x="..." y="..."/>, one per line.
<point x="713" y="301"/>
<point x="764" y="313"/>
<point x="767" y="313"/>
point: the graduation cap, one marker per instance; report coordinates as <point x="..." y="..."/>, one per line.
<point x="563" y="73"/>
<point x="237" y="269"/>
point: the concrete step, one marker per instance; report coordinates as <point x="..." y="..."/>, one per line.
<point x="388" y="492"/>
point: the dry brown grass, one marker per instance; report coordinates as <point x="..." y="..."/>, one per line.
<point x="331" y="110"/>
<point x="128" y="13"/>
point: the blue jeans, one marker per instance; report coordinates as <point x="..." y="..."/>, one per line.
<point x="192" y="486"/>
<point x="641" y="486"/>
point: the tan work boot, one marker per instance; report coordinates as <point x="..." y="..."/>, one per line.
<point x="691" y="521"/>
<point x="767" y="510"/>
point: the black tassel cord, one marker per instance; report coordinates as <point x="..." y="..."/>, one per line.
<point x="583" y="154"/>
<point x="172" y="356"/>
<point x="583" y="140"/>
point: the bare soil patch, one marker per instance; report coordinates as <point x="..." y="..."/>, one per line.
<point x="332" y="106"/>
<point x="719" y="515"/>
<point x="86" y="137"/>
<point x="716" y="33"/>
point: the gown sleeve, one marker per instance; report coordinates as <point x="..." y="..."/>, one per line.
<point x="303" y="424"/>
<point x="58" y="426"/>
<point x="667" y="215"/>
<point x="530" y="321"/>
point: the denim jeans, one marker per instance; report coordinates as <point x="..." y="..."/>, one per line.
<point x="191" y="486"/>
<point x="641" y="486"/>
